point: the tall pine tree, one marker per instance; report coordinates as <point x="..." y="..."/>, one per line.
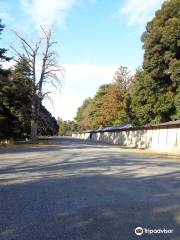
<point x="155" y="92"/>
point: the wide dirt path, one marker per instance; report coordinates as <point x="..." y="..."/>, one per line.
<point x="78" y="190"/>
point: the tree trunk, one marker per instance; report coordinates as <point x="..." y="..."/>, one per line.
<point x="34" y="118"/>
<point x="34" y="127"/>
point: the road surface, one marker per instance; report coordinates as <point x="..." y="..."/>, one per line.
<point x="78" y="190"/>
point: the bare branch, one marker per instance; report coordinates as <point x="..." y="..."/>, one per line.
<point x="29" y="55"/>
<point x="44" y="31"/>
<point x="20" y="56"/>
<point x="37" y="45"/>
<point x="23" y="40"/>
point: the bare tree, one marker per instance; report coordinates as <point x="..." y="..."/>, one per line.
<point x="123" y="78"/>
<point x="48" y="71"/>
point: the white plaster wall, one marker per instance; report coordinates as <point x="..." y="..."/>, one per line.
<point x="165" y="140"/>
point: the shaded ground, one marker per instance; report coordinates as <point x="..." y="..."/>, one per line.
<point x="74" y="189"/>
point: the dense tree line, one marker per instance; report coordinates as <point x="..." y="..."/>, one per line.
<point x="155" y="92"/>
<point x="105" y="109"/>
<point x="152" y="95"/>
<point x="66" y="128"/>
<point x="16" y="99"/>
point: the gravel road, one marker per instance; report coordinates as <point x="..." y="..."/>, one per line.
<point x="77" y="190"/>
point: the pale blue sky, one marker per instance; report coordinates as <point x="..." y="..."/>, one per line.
<point x="94" y="38"/>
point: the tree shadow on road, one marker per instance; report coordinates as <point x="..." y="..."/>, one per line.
<point x="91" y="198"/>
<point x="52" y="145"/>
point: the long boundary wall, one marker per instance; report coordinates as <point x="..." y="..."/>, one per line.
<point x="162" y="139"/>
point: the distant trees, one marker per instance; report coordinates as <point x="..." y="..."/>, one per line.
<point x="103" y="110"/>
<point x="83" y="115"/>
<point x="123" y="79"/>
<point x="96" y="104"/>
<point x="152" y="95"/>
<point x="112" y="104"/>
<point x="108" y="106"/>
<point x="66" y="128"/>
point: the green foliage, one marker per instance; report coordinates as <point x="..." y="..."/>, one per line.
<point x="149" y="102"/>
<point x="15" y="105"/>
<point x="151" y="96"/>
<point x="8" y="121"/>
<point x="162" y="43"/>
<point x="177" y="105"/>
<point x="23" y="88"/>
<point x="21" y="95"/>
<point x="3" y="51"/>
<point x="108" y="106"/>
<point x="121" y="118"/>
<point x="83" y="113"/>
<point x="66" y="128"/>
<point x="47" y="123"/>
<point x="154" y="93"/>
<point x="97" y="102"/>
<point x="104" y="109"/>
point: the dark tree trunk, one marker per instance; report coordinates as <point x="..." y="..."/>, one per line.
<point x="34" y="126"/>
<point x="34" y="118"/>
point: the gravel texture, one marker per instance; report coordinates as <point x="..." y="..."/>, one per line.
<point x="76" y="190"/>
